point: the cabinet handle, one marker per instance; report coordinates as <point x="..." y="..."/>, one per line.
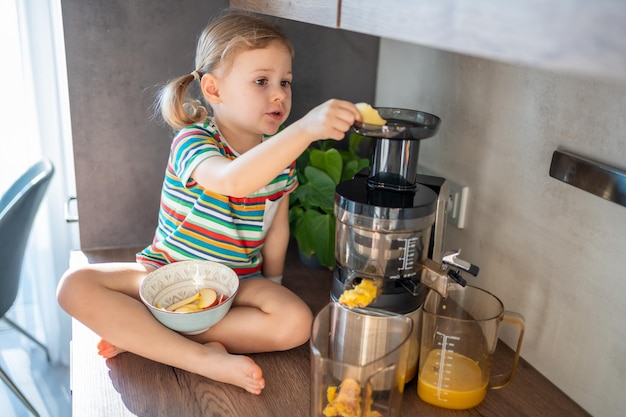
<point x="69" y="216"/>
<point x="591" y="176"/>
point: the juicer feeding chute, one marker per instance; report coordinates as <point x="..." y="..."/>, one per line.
<point x="395" y="146"/>
<point x="401" y="124"/>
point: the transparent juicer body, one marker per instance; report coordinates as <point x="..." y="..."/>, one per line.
<point x="389" y="249"/>
<point x="378" y="247"/>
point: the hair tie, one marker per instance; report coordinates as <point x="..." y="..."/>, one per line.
<point x="196" y="75"/>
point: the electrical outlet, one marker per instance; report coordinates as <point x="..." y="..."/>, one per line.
<point x="457" y="202"/>
<point x="459" y="195"/>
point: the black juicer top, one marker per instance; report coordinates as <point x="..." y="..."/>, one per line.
<point x="357" y="197"/>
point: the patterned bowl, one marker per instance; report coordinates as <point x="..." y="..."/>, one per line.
<point x="177" y="281"/>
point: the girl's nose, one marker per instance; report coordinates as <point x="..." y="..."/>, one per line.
<point x="279" y="93"/>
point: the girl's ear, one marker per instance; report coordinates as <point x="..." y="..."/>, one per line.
<point x="210" y="89"/>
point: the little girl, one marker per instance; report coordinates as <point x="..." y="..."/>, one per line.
<point x="228" y="177"/>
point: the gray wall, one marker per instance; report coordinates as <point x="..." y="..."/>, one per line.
<point x="550" y="251"/>
<point x="118" y="52"/>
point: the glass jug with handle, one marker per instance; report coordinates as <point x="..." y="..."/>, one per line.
<point x="459" y="338"/>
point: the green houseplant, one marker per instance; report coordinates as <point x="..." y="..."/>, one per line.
<point x="311" y="206"/>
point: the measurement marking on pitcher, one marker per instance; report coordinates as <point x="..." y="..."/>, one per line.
<point x="446" y="344"/>
<point x="408" y="253"/>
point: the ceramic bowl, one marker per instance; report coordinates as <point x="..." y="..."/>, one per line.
<point x="177" y="281"/>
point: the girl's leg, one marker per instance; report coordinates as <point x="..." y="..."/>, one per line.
<point x="268" y="317"/>
<point x="105" y="297"/>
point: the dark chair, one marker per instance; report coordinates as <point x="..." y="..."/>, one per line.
<point x="18" y="207"/>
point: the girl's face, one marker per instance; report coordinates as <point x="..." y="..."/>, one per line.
<point x="253" y="96"/>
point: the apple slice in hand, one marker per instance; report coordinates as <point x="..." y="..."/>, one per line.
<point x="370" y="115"/>
<point x="208" y="298"/>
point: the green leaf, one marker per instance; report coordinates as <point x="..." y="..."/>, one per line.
<point x="320" y="168"/>
<point x="325" y="144"/>
<point x="295" y="212"/>
<point x="302" y="162"/>
<point x="301" y="195"/>
<point x="320" y="231"/>
<point x="322" y="189"/>
<point x="354" y="143"/>
<point x="329" y="161"/>
<point x="352" y="168"/>
<point x="299" y="231"/>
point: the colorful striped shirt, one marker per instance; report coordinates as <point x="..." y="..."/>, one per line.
<point x="196" y="223"/>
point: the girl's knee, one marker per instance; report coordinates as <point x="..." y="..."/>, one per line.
<point x="85" y="281"/>
<point x="298" y="326"/>
<point x="78" y="284"/>
<point x="67" y="287"/>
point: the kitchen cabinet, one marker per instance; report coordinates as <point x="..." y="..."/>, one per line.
<point x="319" y="12"/>
<point x="577" y="36"/>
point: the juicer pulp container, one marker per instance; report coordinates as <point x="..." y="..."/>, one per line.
<point x="358" y="360"/>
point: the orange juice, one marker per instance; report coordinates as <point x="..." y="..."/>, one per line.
<point x="459" y="385"/>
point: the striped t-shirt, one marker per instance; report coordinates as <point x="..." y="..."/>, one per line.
<point x="195" y="223"/>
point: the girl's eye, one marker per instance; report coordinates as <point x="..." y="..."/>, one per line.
<point x="261" y="81"/>
<point x="285" y="83"/>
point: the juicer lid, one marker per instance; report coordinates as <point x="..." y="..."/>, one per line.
<point x="401" y="124"/>
<point x="356" y="197"/>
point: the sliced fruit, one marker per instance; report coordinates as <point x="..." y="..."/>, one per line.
<point x="208" y="298"/>
<point x="370" y="115"/>
<point x="188" y="308"/>
<point x="183" y="302"/>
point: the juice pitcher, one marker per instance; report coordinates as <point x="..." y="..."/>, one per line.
<point x="459" y="338"/>
<point x="358" y="362"/>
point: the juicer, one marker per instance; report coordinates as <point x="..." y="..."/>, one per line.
<point x="390" y="222"/>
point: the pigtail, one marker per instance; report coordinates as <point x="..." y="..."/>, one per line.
<point x="177" y="108"/>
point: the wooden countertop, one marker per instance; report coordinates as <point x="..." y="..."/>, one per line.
<point x="129" y="385"/>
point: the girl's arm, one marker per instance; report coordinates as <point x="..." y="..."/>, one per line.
<point x="276" y="241"/>
<point x="261" y="164"/>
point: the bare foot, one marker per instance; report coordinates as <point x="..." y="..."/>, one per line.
<point x="219" y="366"/>
<point x="107" y="350"/>
<point x="237" y="370"/>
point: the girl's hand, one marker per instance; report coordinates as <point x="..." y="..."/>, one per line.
<point x="330" y="120"/>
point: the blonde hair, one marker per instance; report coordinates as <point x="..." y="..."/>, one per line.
<point x="218" y="44"/>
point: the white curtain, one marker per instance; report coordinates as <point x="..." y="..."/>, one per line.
<point x="36" y="123"/>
